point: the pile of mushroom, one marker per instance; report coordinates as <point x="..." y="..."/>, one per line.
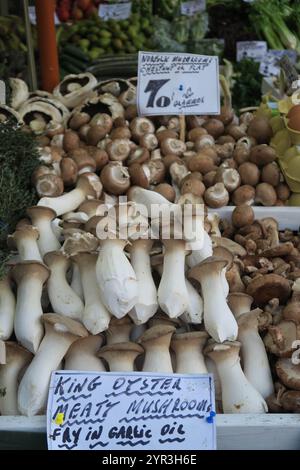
<point x="132" y="304"/>
<point x="220" y="160"/>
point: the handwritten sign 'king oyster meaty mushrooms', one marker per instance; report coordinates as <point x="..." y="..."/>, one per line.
<point x="125" y="411"/>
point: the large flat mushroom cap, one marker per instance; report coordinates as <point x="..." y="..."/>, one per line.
<point x="279" y="338"/>
<point x="267" y="287"/>
<point x="288" y="373"/>
<point x="34" y="269"/>
<point x="65" y="324"/>
<point x="156" y="332"/>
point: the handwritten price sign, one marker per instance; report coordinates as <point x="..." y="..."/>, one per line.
<point x="170" y="83"/>
<point x="111" y="411"/>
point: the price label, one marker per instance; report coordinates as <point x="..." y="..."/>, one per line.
<point x="192" y="7"/>
<point x="255" y="50"/>
<point x="114" y="411"/>
<point x="115" y="11"/>
<point x="32" y="16"/>
<point x="2" y="92"/>
<point x="270" y="65"/>
<point x="170" y="83"/>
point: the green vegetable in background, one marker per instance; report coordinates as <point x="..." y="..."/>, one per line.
<point x="18" y="159"/>
<point x="270" y="19"/>
<point x="247" y="84"/>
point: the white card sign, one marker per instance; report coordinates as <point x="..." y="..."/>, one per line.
<point x="125" y="411"/>
<point x="192" y="7"/>
<point x="115" y="11"/>
<point x="170" y="83"/>
<point x="270" y="65"/>
<point x="255" y="50"/>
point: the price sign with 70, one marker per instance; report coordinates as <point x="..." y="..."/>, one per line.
<point x="170" y="83"/>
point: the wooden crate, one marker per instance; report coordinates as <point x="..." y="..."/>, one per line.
<point x="234" y="432"/>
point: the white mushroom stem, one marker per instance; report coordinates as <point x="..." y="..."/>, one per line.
<point x="172" y="292"/>
<point x="119" y="330"/>
<point x="7" y="308"/>
<point x="218" y="318"/>
<point x="147" y="303"/>
<point x="188" y="350"/>
<point x="42" y="218"/>
<point x="255" y="360"/>
<point x="238" y="395"/>
<point x="30" y="277"/>
<point x="156" y="342"/>
<point x="87" y="184"/>
<point x="63" y="299"/>
<point x="120" y="357"/>
<point x="61" y="332"/>
<point x="95" y="316"/>
<point x="16" y="359"/>
<point x="82" y="355"/>
<point x="194" y="314"/>
<point x="76" y="283"/>
<point x="212" y="369"/>
<point x="116" y="278"/>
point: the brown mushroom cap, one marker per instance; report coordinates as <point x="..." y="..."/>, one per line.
<point x="91" y="184"/>
<point x="25" y="232"/>
<point x="90" y="207"/>
<point x="288" y="373"/>
<point x="283" y="249"/>
<point x="210" y="264"/>
<point x="55" y="256"/>
<point x="33" y="269"/>
<point x="249" y="173"/>
<point x="223" y="253"/>
<point x="139" y="176"/>
<point x="82" y="159"/>
<point x="224" y="350"/>
<point x="260" y="129"/>
<point x="13" y="351"/>
<point x="155" y="332"/>
<point x="40" y="212"/>
<point x="242" y="215"/>
<point x="49" y="185"/>
<point x="245" y="194"/>
<point x="99" y="155"/>
<point x="262" y="154"/>
<point x="166" y="190"/>
<point x="236" y="300"/>
<point x="230" y="245"/>
<point x="69" y="171"/>
<point x="115" y="178"/>
<point x="267" y="287"/>
<point x="290" y="401"/>
<point x="279" y="338"/>
<point x="70" y="141"/>
<point x="202" y="162"/>
<point x="120" y="348"/>
<point x="64" y="325"/>
<point x="189" y="337"/>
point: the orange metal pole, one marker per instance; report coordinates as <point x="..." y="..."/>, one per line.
<point x="45" y="10"/>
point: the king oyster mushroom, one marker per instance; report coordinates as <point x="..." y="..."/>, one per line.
<point x="73" y="89"/>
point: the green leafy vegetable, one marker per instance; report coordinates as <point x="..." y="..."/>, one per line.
<point x="247" y="84"/>
<point x="18" y="159"/>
